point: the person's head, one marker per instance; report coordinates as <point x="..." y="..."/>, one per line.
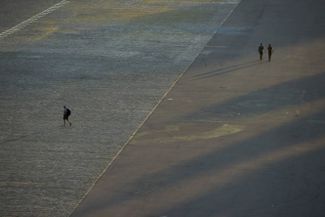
<point x="261" y="44"/>
<point x="64" y="106"/>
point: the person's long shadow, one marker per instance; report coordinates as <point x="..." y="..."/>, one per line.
<point x="227" y="69"/>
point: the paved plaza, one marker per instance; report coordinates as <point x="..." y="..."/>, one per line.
<point x="110" y="62"/>
<point x="236" y="136"/>
<point x="173" y="113"/>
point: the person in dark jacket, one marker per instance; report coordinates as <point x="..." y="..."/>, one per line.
<point x="269" y="52"/>
<point x="260" y="51"/>
<point x="66" y="114"/>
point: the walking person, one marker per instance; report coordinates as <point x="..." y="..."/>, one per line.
<point x="66" y="114"/>
<point x="260" y="51"/>
<point x="269" y="52"/>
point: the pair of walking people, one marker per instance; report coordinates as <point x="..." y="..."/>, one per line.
<point x="269" y="51"/>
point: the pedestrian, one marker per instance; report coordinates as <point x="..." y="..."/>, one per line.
<point x="66" y="114"/>
<point x="260" y="51"/>
<point x="269" y="51"/>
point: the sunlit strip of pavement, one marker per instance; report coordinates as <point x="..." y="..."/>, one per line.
<point x="33" y="19"/>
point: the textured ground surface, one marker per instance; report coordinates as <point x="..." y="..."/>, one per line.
<point x="110" y="62"/>
<point x="235" y="137"/>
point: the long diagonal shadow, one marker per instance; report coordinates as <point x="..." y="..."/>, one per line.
<point x="287" y="135"/>
<point x="265" y="187"/>
<point x="293" y="92"/>
<point x="227" y="69"/>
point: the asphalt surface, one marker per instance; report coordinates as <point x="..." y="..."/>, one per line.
<point x="110" y="62"/>
<point x="14" y="12"/>
<point x="235" y="137"/>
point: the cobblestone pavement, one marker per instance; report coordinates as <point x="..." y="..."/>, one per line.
<point x="110" y="62"/>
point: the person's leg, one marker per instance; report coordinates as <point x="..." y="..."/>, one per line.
<point x="67" y="119"/>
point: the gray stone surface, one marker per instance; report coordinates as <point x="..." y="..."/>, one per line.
<point x="235" y="137"/>
<point x="110" y="62"/>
